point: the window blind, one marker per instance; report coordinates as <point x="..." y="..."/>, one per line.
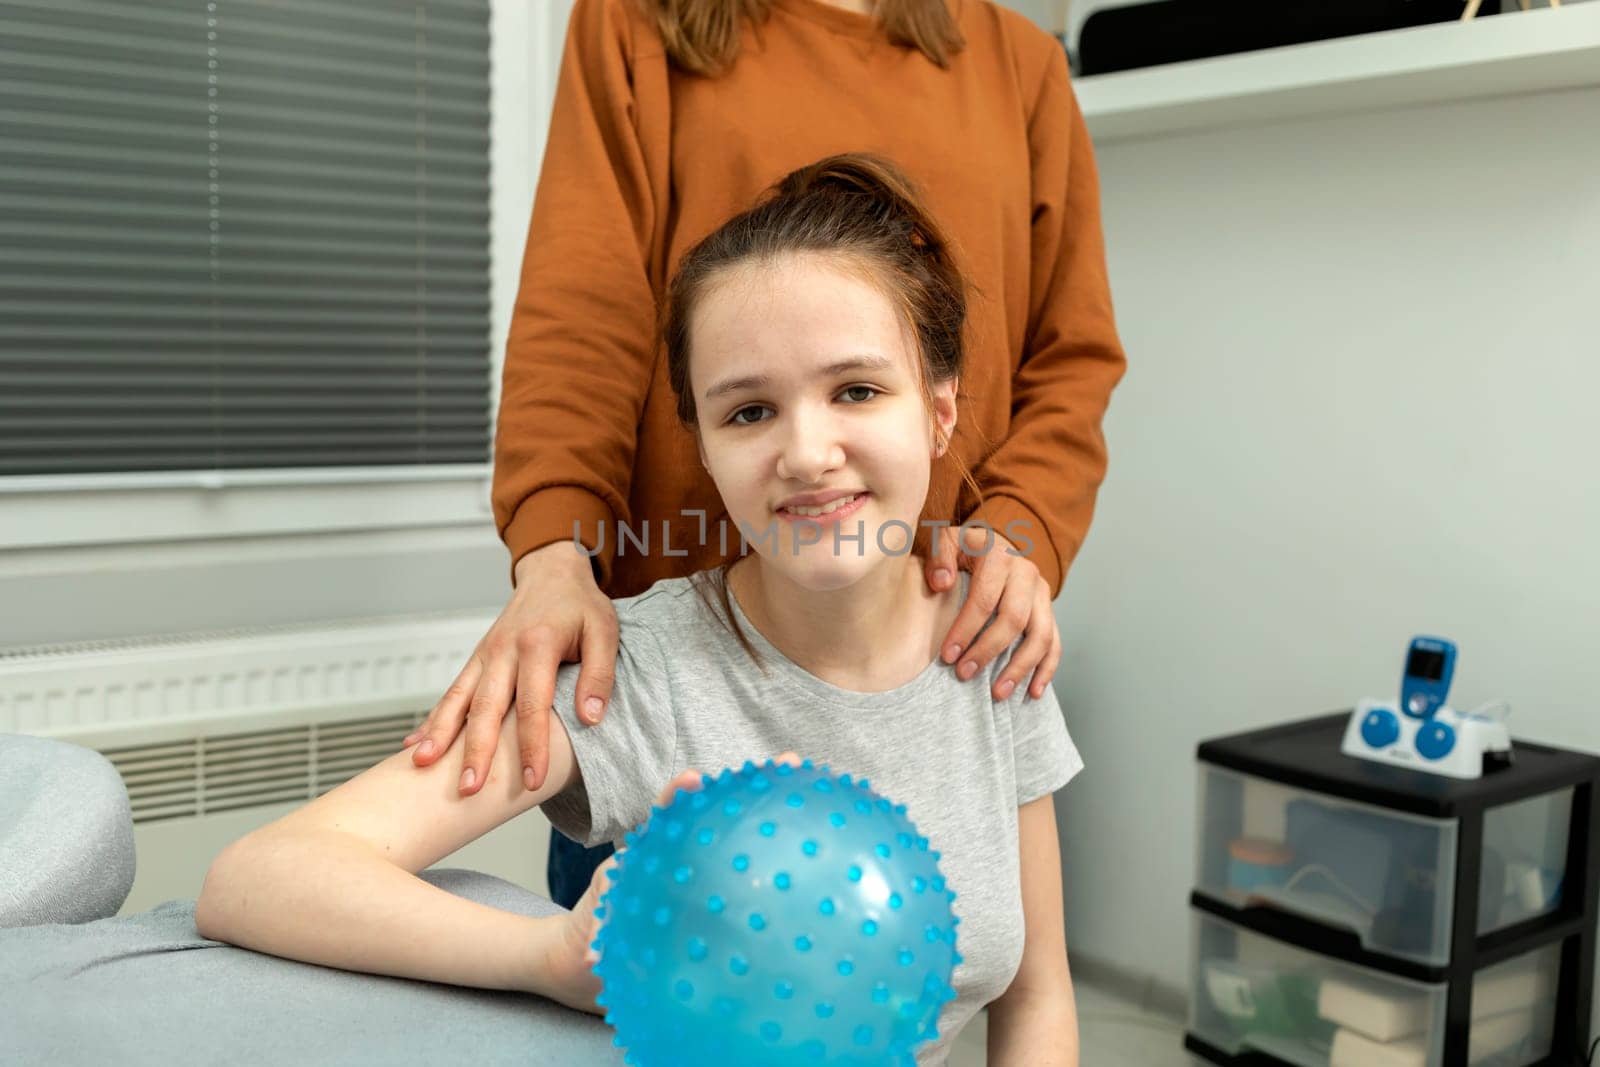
<point x="243" y="234"/>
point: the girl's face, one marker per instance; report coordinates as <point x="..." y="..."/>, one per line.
<point x="811" y="417"/>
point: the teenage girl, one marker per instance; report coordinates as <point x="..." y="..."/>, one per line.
<point x="815" y="349"/>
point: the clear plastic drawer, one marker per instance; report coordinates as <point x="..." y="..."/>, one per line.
<point x="1524" y="859"/>
<point x="1252" y="993"/>
<point x="1387" y="877"/>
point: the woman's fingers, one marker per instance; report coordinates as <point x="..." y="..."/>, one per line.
<point x="489" y="705"/>
<point x="533" y="725"/>
<point x="439" y="729"/>
<point x="1011" y="619"/>
<point x="537" y="664"/>
<point x="1029" y="656"/>
<point x="940" y="569"/>
<point x="1046" y="671"/>
<point x="983" y="597"/>
<point x="598" y="660"/>
<point x="556" y="613"/>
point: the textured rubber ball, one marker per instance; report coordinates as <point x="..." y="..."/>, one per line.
<point x="782" y="919"/>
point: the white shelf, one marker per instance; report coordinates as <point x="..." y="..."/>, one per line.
<point x="1495" y="55"/>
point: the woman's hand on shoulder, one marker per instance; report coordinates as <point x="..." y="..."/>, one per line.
<point x="1009" y="588"/>
<point x="556" y="614"/>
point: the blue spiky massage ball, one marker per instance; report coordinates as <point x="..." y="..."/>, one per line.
<point x="781" y="915"/>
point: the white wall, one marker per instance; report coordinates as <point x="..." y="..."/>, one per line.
<point x="1050" y="15"/>
<point x="1362" y="404"/>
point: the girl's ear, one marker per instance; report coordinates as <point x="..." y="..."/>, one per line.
<point x="944" y="416"/>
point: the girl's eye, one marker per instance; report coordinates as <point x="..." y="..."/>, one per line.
<point x="737" y="420"/>
<point x="854" y="391"/>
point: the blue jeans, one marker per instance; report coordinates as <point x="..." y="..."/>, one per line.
<point x="571" y="868"/>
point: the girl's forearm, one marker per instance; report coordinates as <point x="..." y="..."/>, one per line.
<point x="326" y="898"/>
<point x="1033" y="1031"/>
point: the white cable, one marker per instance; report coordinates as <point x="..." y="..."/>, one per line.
<point x="1317" y="868"/>
<point x="1482" y="709"/>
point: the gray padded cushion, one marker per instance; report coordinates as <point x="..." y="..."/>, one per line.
<point x="148" y="989"/>
<point x="66" y="833"/>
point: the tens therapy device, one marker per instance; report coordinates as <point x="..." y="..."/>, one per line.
<point x="1419" y="729"/>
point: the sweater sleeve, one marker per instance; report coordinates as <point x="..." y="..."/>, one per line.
<point x="1042" y="480"/>
<point x="581" y="347"/>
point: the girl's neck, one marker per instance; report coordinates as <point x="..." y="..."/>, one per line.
<point x="872" y="636"/>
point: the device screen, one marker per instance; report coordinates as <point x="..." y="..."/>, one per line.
<point x="1424" y="664"/>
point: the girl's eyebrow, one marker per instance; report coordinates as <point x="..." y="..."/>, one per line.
<point x="832" y="370"/>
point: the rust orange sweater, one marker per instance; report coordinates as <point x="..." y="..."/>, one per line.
<point x="644" y="159"/>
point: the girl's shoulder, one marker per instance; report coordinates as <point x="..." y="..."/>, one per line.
<point x="671" y="612"/>
<point x="663" y="600"/>
<point x="680" y="635"/>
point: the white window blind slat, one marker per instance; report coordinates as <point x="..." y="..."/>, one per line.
<point x="40" y="140"/>
<point x="159" y="387"/>
<point x="167" y="337"/>
<point x="177" y="403"/>
<point x="359" y="277"/>
<point x="115" y="295"/>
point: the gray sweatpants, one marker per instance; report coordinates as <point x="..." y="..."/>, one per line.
<point x="148" y="989"/>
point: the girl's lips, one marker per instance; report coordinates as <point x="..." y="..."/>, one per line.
<point x="830" y="517"/>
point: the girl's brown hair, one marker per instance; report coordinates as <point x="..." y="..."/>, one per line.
<point x="702" y="36"/>
<point x="862" y="213"/>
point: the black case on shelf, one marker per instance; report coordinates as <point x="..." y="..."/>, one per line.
<point x="1171" y="31"/>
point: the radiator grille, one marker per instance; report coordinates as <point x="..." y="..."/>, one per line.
<point x="154" y="690"/>
<point x="226" y="772"/>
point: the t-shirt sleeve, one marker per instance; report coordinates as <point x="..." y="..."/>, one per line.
<point x="625" y="759"/>
<point x="1044" y="755"/>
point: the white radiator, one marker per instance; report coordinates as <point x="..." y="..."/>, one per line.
<point x="217" y="734"/>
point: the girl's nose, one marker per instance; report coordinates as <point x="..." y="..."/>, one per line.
<point x="810" y="449"/>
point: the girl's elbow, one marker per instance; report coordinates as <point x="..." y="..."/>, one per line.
<point x="207" y="920"/>
<point x="213" y="909"/>
<point x="208" y="907"/>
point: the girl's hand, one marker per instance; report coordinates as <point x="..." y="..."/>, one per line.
<point x="1011" y="589"/>
<point x="577" y="955"/>
<point x="556" y="614"/>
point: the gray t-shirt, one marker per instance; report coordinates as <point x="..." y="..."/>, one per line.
<point x="688" y="695"/>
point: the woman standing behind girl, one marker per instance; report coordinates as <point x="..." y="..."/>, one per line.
<point x="671" y="115"/>
<point x="814" y="346"/>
